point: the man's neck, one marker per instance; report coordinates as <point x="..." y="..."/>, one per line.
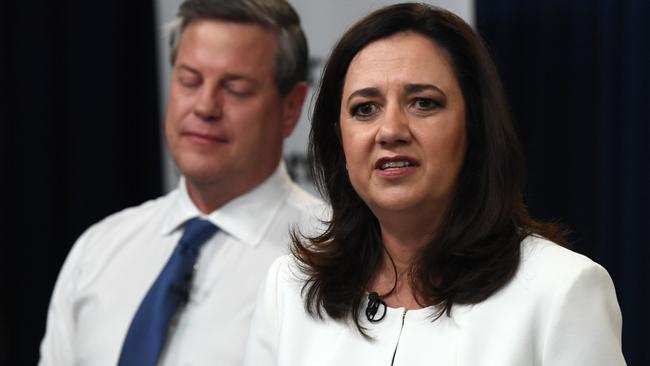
<point x="210" y="196"/>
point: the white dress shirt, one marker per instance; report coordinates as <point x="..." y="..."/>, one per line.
<point x="113" y="264"/>
<point x="560" y="309"/>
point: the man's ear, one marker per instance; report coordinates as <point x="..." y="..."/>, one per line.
<point x="292" y="106"/>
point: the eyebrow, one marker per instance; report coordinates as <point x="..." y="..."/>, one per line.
<point x="187" y="68"/>
<point x="237" y="77"/>
<point x="408" y="89"/>
<point x="417" y="88"/>
<point x="365" y="92"/>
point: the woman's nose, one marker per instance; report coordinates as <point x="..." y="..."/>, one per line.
<point x="394" y="127"/>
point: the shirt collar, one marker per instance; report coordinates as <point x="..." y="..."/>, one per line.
<point x="246" y="217"/>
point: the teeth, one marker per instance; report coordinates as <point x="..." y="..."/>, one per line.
<point x="395" y="164"/>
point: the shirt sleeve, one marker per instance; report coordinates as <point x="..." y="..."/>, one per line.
<point x="585" y="322"/>
<point x="57" y="346"/>
<point x="262" y="346"/>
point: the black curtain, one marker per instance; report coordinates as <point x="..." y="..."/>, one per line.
<point x="79" y="140"/>
<point x="578" y="77"/>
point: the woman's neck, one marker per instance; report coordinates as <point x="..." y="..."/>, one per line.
<point x="393" y="282"/>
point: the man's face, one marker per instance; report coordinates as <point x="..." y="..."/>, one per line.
<point x="226" y="120"/>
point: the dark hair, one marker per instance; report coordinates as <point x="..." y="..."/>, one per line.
<point x="291" y="63"/>
<point x="476" y="250"/>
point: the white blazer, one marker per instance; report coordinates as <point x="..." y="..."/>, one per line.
<point x="560" y="309"/>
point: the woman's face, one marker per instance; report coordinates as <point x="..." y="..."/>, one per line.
<point x="403" y="125"/>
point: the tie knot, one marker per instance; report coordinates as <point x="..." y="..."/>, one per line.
<point x="196" y="232"/>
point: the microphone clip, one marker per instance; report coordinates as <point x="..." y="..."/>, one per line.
<point x="374" y="305"/>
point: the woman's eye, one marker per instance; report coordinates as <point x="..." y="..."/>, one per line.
<point x="364" y="110"/>
<point x="425" y="104"/>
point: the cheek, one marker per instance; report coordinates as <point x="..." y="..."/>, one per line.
<point x="351" y="150"/>
<point x="178" y="105"/>
<point x="459" y="143"/>
<point x="357" y="142"/>
<point x="450" y="153"/>
<point x="253" y="132"/>
<point x="170" y="126"/>
<point x="357" y="153"/>
<point x="249" y="115"/>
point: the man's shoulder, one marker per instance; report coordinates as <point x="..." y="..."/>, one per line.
<point x="310" y="212"/>
<point x="131" y="218"/>
<point x="301" y="200"/>
<point x="141" y="212"/>
<point x="135" y="224"/>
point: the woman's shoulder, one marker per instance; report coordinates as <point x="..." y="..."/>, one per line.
<point x="539" y="249"/>
<point x="545" y="264"/>
<point x="285" y="276"/>
<point x="576" y="312"/>
<point x="285" y="267"/>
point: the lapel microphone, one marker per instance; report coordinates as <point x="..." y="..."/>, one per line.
<point x="374" y="305"/>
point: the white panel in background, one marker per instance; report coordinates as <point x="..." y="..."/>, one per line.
<point x="324" y="22"/>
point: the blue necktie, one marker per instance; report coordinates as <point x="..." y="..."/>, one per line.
<point x="148" y="331"/>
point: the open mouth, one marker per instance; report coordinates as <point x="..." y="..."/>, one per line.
<point x="395" y="163"/>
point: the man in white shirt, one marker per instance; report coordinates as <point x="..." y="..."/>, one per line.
<point x="238" y="85"/>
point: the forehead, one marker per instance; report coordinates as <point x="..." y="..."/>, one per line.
<point x="400" y="59"/>
<point x="213" y="45"/>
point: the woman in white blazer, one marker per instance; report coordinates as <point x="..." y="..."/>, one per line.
<point x="430" y="257"/>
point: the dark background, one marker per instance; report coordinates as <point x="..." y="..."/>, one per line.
<point x="79" y="136"/>
<point x="79" y="126"/>
<point x="578" y="77"/>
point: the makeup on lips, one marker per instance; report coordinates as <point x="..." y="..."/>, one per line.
<point x="396" y="166"/>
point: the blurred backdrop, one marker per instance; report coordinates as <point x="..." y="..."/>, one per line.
<point x="82" y="93"/>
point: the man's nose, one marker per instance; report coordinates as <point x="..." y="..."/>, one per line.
<point x="209" y="105"/>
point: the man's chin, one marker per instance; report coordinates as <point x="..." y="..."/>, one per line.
<point x="202" y="173"/>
